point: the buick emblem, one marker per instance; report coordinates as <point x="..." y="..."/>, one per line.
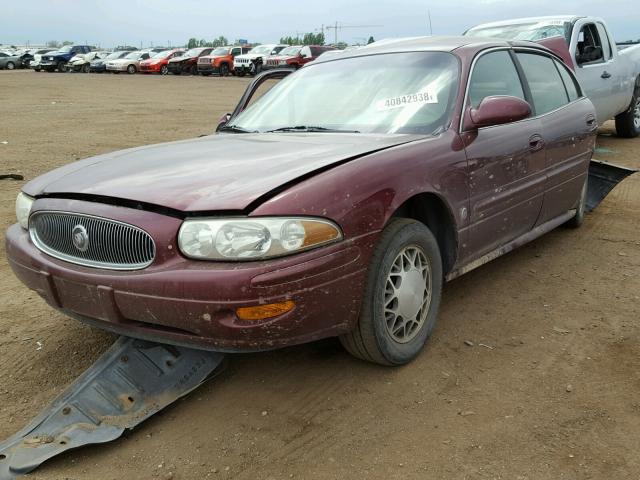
<point x="80" y="238"/>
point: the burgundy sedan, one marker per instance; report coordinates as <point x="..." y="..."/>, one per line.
<point x="336" y="204"/>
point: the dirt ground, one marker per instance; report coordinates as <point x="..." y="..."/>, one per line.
<point x="550" y="388"/>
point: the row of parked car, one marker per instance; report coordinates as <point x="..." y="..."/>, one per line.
<point x="233" y="59"/>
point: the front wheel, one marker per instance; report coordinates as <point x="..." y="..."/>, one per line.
<point x="85" y="68"/>
<point x="62" y="66"/>
<point x="224" y="70"/>
<point x="628" y="123"/>
<point x="401" y="297"/>
<point x="11" y="65"/>
<point x="164" y="70"/>
<point x="131" y="69"/>
<point x="37" y="69"/>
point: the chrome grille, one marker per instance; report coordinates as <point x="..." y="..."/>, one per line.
<point x="109" y="244"/>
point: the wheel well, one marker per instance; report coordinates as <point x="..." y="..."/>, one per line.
<point x="429" y="209"/>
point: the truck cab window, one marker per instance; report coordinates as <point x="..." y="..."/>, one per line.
<point x="589" y="48"/>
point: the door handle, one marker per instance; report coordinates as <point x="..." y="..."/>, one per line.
<point x="591" y="122"/>
<point x="536" y="143"/>
<point x="605" y="74"/>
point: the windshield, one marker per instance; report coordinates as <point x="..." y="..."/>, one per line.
<point x="532" y="31"/>
<point x="114" y="55"/>
<point x="133" y="55"/>
<point x="262" y="49"/>
<point x="163" y="54"/>
<point x="220" y="51"/>
<point x="358" y="94"/>
<point x="65" y="49"/>
<point x="194" y="52"/>
<point x="290" y="51"/>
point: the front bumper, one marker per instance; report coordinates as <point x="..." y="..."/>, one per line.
<point x="208" y="68"/>
<point x="175" y="67"/>
<point x="187" y="302"/>
<point x="266" y="66"/>
<point x="155" y="68"/>
<point x="119" y="67"/>
<point x="98" y="68"/>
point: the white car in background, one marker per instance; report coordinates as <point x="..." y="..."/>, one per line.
<point x="82" y="62"/>
<point x="251" y="63"/>
<point x="130" y="63"/>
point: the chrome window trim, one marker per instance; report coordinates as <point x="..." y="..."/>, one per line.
<point x="84" y="262"/>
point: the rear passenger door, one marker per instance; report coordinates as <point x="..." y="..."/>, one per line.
<point x="568" y="126"/>
<point x="506" y="162"/>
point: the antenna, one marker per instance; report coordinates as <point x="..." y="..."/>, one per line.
<point x="430" y="26"/>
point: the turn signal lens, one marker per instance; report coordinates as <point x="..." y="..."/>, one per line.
<point x="262" y="312"/>
<point x="318" y="233"/>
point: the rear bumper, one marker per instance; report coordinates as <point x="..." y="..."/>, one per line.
<point x="192" y="303"/>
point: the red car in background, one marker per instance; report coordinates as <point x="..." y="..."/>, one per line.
<point x="158" y="63"/>
<point x="295" y="56"/>
<point x="220" y="61"/>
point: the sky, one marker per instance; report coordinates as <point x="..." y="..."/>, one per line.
<point x="162" y="22"/>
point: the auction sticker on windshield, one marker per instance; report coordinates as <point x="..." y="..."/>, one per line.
<point x="425" y="96"/>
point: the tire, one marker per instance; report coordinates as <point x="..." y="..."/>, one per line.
<point x="578" y="219"/>
<point x="37" y="69"/>
<point x="628" y="123"/>
<point x="224" y="70"/>
<point x="62" y="66"/>
<point x="131" y="69"/>
<point x="382" y="335"/>
<point x="85" y="68"/>
<point x="10" y="65"/>
<point x="164" y="70"/>
<point x="193" y="70"/>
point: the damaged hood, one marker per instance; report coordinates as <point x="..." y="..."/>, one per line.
<point x="217" y="172"/>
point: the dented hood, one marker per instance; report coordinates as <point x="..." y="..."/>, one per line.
<point x="217" y="172"/>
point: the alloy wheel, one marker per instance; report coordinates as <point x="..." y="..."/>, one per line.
<point x="636" y="114"/>
<point x="407" y="294"/>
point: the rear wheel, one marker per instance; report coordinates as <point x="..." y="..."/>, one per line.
<point x="62" y="66"/>
<point x="131" y="69"/>
<point x="401" y="298"/>
<point x="578" y="219"/>
<point x="628" y="123"/>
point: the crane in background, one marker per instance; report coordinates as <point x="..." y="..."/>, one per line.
<point x="336" y="27"/>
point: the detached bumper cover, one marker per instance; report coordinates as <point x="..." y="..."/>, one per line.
<point x="192" y="303"/>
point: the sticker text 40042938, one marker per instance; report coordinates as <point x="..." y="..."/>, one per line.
<point x="404" y="100"/>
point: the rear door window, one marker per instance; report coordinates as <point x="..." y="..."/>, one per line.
<point x="569" y="83"/>
<point x="494" y="74"/>
<point x="547" y="88"/>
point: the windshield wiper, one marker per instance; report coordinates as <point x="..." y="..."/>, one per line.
<point x="306" y="128"/>
<point x="235" y="129"/>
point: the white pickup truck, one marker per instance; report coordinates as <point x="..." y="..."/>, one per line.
<point x="610" y="78"/>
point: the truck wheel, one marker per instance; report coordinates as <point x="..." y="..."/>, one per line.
<point x="628" y="123"/>
<point x="164" y="70"/>
<point x="224" y="70"/>
<point x="578" y="220"/>
<point x="401" y="297"/>
<point x="85" y="68"/>
<point x="11" y="65"/>
<point x="61" y="66"/>
<point x="131" y="69"/>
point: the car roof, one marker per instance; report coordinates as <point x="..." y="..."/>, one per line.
<point x="428" y="44"/>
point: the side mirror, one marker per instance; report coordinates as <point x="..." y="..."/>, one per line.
<point x="496" y="110"/>
<point x="223" y="121"/>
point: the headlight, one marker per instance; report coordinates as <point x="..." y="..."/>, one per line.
<point x="253" y="238"/>
<point x="23" y="209"/>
